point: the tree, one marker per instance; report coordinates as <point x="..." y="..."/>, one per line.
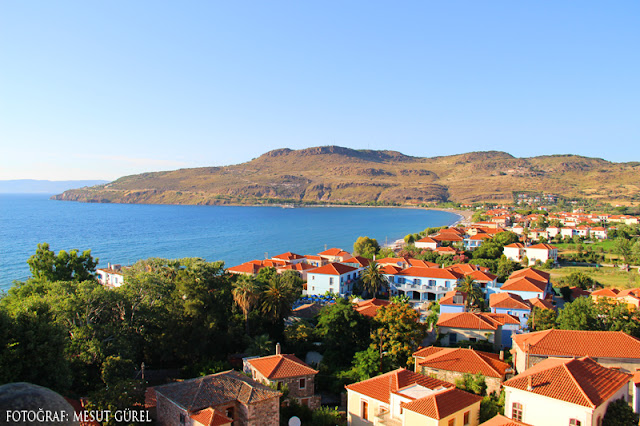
<point x="624" y="248"/>
<point x="491" y="405"/>
<point x="474" y="294"/>
<point x="372" y="279"/>
<point x="578" y="315"/>
<point x="505" y="267"/>
<point x="245" y="293"/>
<point x="260" y="345"/>
<point x="366" y="247"/>
<point x="44" y="264"/>
<point x="619" y="413"/>
<point x="366" y="364"/>
<point x="541" y="319"/>
<point x="579" y="279"/>
<point x="343" y="331"/>
<point x="398" y="333"/>
<point x="278" y="295"/>
<point x="472" y="383"/>
<point x="409" y="239"/>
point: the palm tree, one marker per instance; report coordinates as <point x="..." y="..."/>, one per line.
<point x="372" y="279"/>
<point x="245" y="293"/>
<point x="469" y="286"/>
<point x="278" y="297"/>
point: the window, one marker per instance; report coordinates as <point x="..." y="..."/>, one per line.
<point x="400" y="280"/>
<point x="229" y="413"/>
<point x="452" y="422"/>
<point x="417" y="281"/>
<point x="182" y="418"/>
<point x="279" y="385"/>
<point x="313" y="277"/>
<point x="574" y="422"/>
<point x="305" y="402"/>
<point x="364" y="410"/>
<point x="467" y="415"/>
<point x="432" y="282"/>
<point x="516" y="411"/>
<point x="303" y="384"/>
<point x="453" y="338"/>
<point x="330" y="280"/>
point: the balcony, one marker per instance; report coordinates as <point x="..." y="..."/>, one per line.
<point x="384" y="418"/>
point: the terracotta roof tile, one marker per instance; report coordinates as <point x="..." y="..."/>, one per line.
<point x="578" y="381"/>
<point x="362" y="261"/>
<point x="449" y="297"/>
<point x="523" y="284"/>
<point x="464" y="361"/>
<point x="331" y="252"/>
<point x="572" y="343"/>
<point x="541" y="304"/>
<point x="380" y="387"/>
<point x="211" y="417"/>
<point x="606" y="292"/>
<point x="370" y="307"/>
<point x="500" y="420"/>
<point x="531" y="273"/>
<point x="333" y="269"/>
<point x="507" y="301"/>
<point x="442" y="404"/>
<point x="281" y="366"/>
<point x="482" y="276"/>
<point x="288" y="256"/>
<point x="469" y="320"/>
<point x="542" y="246"/>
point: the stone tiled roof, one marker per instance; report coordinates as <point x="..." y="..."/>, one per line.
<point x="215" y="389"/>
<point x="380" y="387"/>
<point x="442" y="404"/>
<point x="281" y="366"/>
<point x="578" y="381"/>
<point x="463" y="361"/>
<point x="572" y="343"/>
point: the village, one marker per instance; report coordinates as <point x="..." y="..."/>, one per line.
<point x="486" y="337"/>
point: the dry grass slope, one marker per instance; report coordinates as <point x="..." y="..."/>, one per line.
<point x="337" y="174"/>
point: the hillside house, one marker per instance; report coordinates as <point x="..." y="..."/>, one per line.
<point x="564" y="392"/>
<point x="278" y="370"/>
<point x="424" y="284"/>
<point x="477" y="326"/>
<point x="225" y="397"/>
<point x="609" y="348"/>
<point x="514" y="251"/>
<point x="404" y="398"/>
<point x="333" y="277"/>
<point x="427" y="243"/>
<point x="541" y="253"/>
<point x="451" y="364"/>
<point x="111" y="276"/>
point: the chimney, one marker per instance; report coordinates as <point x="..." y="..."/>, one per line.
<point x="278" y="349"/>
<point x="501" y="355"/>
<point x="530" y="383"/>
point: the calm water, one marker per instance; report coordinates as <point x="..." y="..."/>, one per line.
<point x="124" y="233"/>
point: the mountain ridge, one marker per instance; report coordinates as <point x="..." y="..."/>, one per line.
<point x="334" y="174"/>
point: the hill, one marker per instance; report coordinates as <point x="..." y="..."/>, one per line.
<point x="332" y="174"/>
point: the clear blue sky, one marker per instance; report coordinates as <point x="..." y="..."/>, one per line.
<point x="97" y="90"/>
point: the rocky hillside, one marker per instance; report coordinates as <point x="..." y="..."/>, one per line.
<point x="335" y="174"/>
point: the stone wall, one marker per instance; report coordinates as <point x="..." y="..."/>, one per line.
<point x="493" y="383"/>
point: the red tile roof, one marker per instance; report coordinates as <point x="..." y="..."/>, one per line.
<point x="362" y="261"/>
<point x="467" y="268"/>
<point x="288" y="256"/>
<point x="422" y="263"/>
<point x="370" y="307"/>
<point x="442" y="404"/>
<point x="542" y="246"/>
<point x="380" y="387"/>
<point x="481" y="237"/>
<point x="470" y="320"/>
<point x="572" y="343"/>
<point x="507" y="301"/>
<point x="281" y="366"/>
<point x="448" y="237"/>
<point x="245" y="268"/>
<point x="606" y="292"/>
<point x="578" y="381"/>
<point x="389" y="269"/>
<point x="331" y="252"/>
<point x="210" y="417"/>
<point x="541" y="304"/>
<point x="333" y="269"/>
<point x="463" y="361"/>
<point x="445" y="250"/>
<point x="523" y="284"/>
<point x="482" y="276"/>
<point x="417" y="271"/>
<point x="448" y="298"/>
<point x="531" y="273"/>
<point x="515" y="245"/>
<point x="426" y="240"/>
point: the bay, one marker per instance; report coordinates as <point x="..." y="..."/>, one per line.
<point x="124" y="233"/>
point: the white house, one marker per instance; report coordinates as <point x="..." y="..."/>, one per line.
<point x="568" y="231"/>
<point x="514" y="251"/>
<point x="425" y="284"/>
<point x="574" y="392"/>
<point x="598" y="232"/>
<point x="427" y="243"/>
<point x="334" y="277"/>
<point x="541" y="252"/>
<point x="528" y="283"/>
<point x="111" y="276"/>
<point x="552" y="231"/>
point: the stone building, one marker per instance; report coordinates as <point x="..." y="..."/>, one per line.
<point x="286" y="369"/>
<point x="227" y="398"/>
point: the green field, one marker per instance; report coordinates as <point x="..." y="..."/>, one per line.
<point x="608" y="277"/>
<point x="606" y="245"/>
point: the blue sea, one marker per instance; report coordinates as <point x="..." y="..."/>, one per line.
<point x="124" y="233"/>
